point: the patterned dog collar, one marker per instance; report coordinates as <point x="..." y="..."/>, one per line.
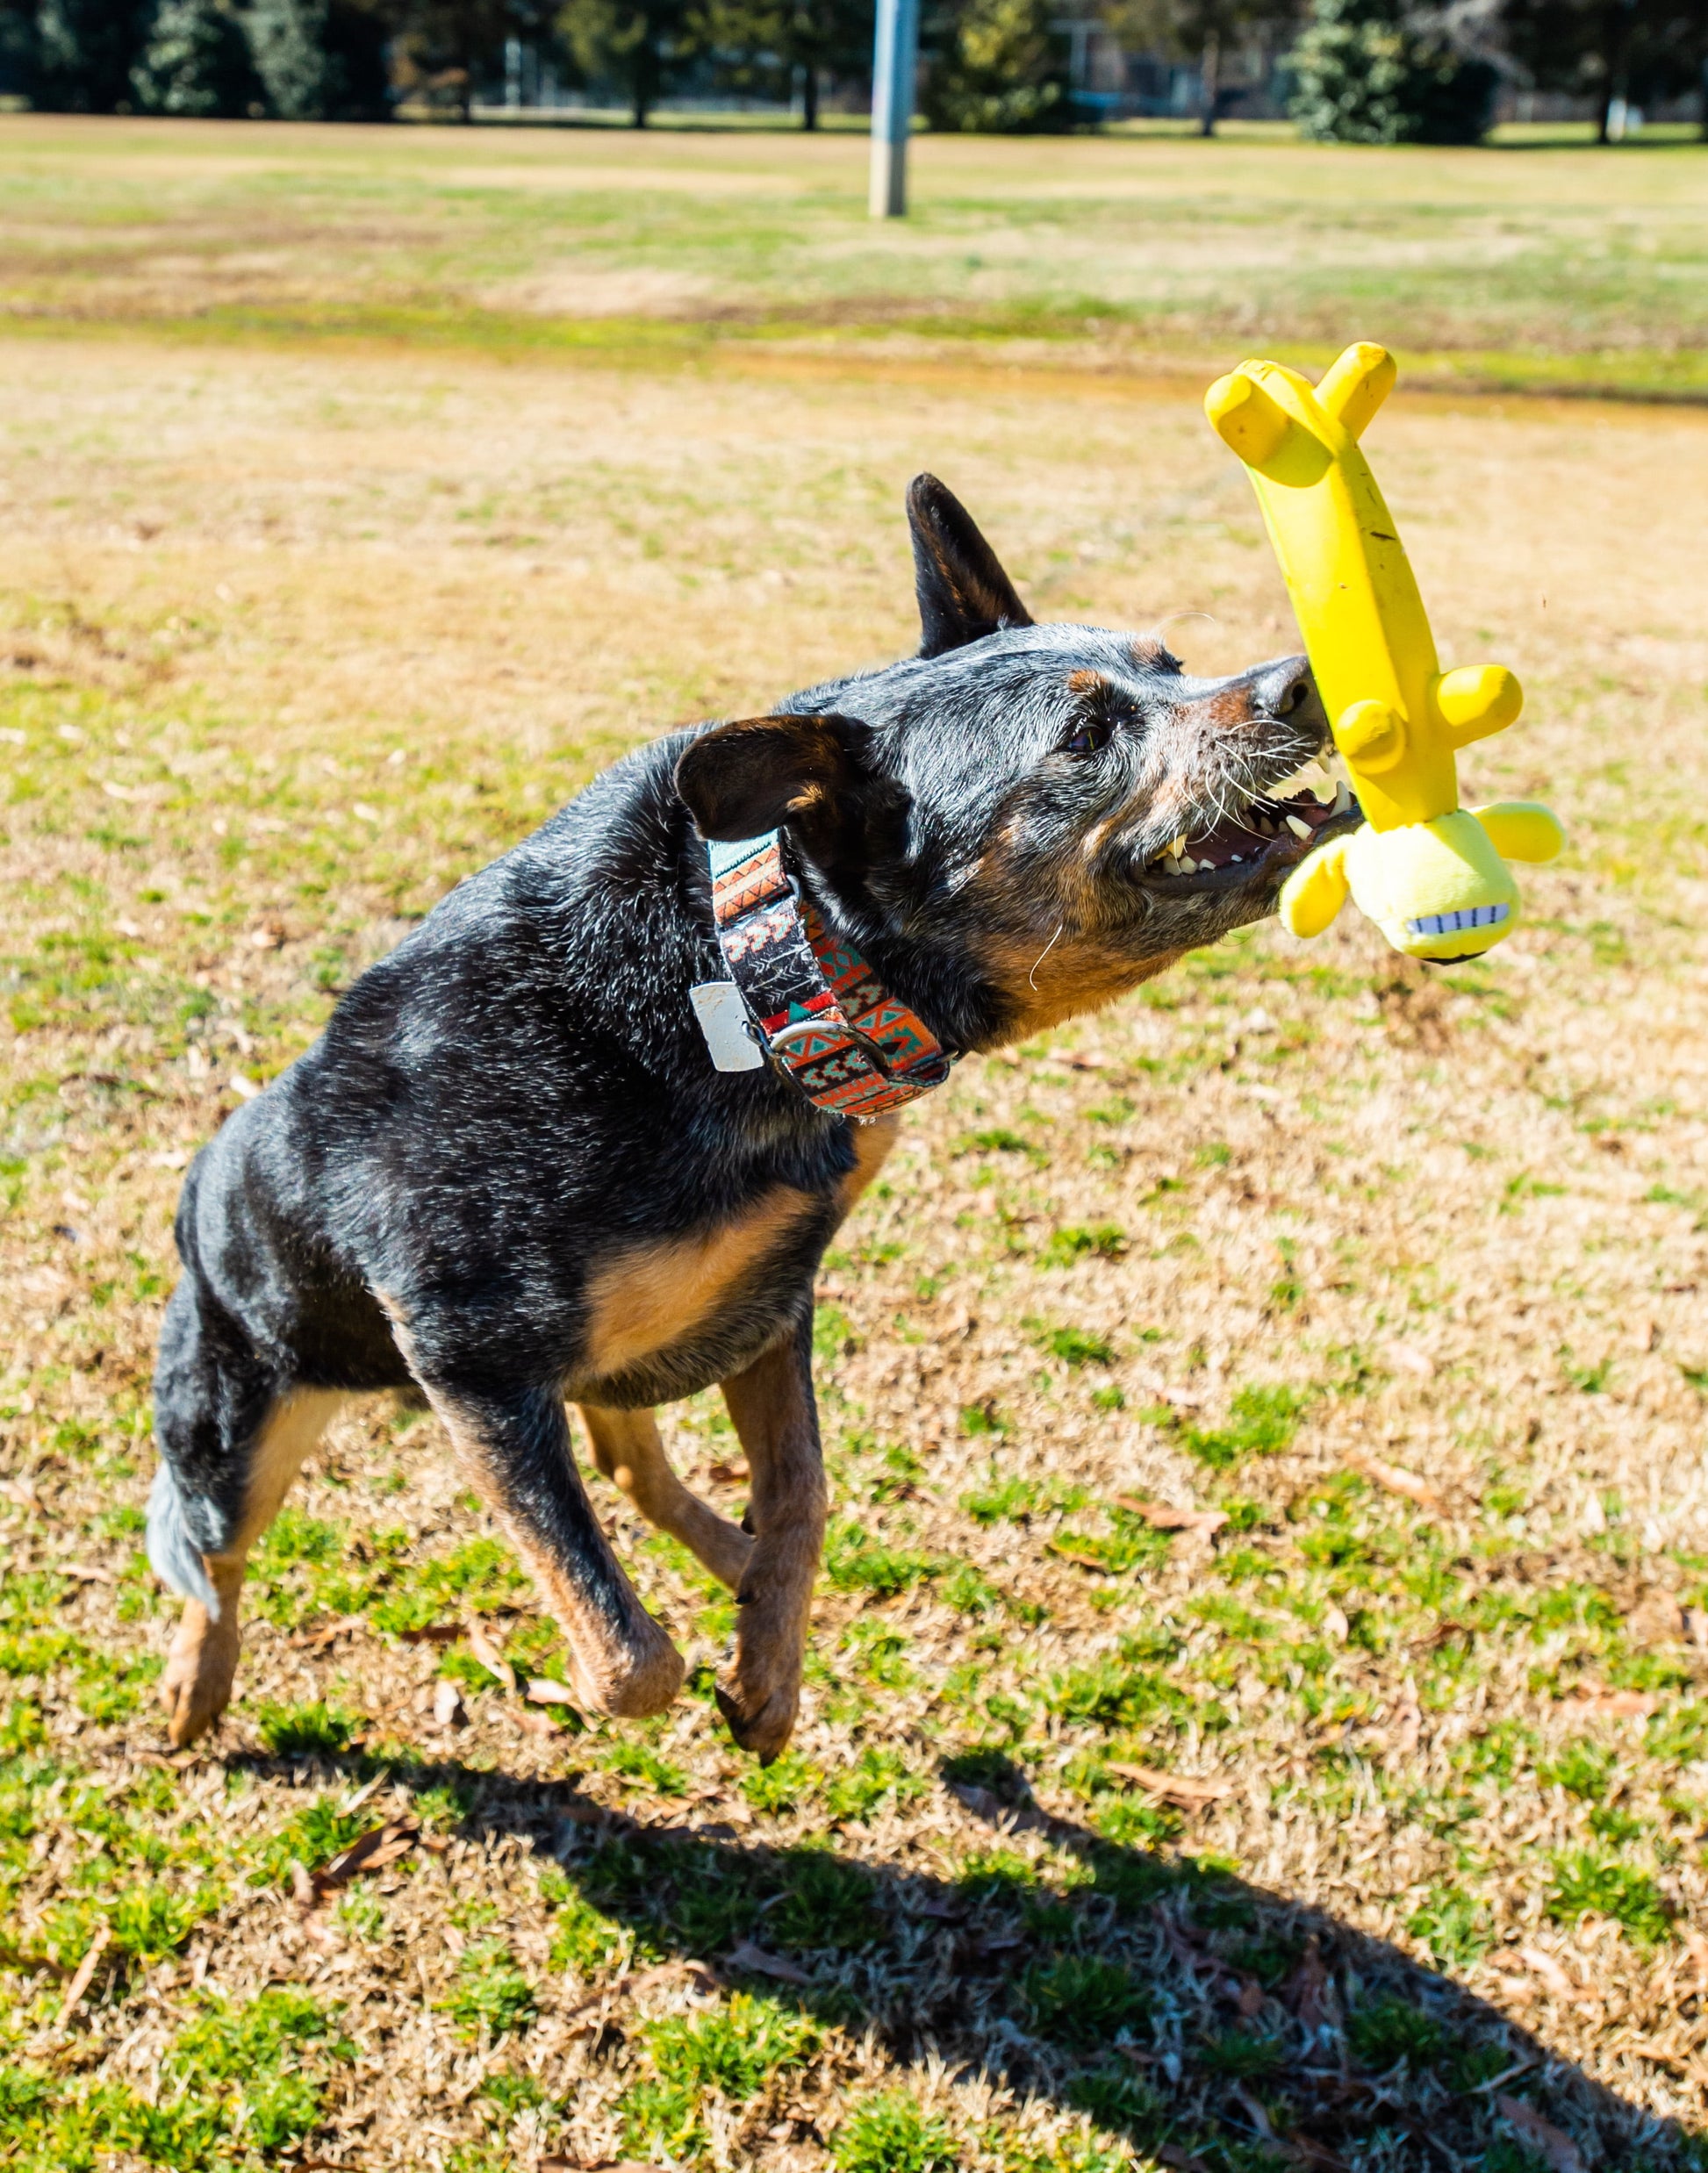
<point x="823" y="1015"/>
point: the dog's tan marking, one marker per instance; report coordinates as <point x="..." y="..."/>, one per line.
<point x="202" y="1663"/>
<point x="873" y="1142"/>
<point x="1085" y="681"/>
<point x="626" y="1445"/>
<point x="627" y="1450"/>
<point x="1076" y="975"/>
<point x="651" y="1296"/>
<point x="771" y="1404"/>
<point x="627" y="1670"/>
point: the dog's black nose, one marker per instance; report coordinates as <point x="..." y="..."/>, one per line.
<point x="1284" y="688"/>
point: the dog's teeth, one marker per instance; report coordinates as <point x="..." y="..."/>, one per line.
<point x="1177" y="845"/>
<point x="1188" y="865"/>
<point x="1299" y="827"/>
<point x="1343" y="798"/>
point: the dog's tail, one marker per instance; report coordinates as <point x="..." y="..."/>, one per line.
<point x="177" y="1558"/>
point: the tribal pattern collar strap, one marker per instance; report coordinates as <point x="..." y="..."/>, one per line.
<point x="820" y="1014"/>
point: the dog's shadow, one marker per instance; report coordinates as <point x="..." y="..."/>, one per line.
<point x="1211" y="2024"/>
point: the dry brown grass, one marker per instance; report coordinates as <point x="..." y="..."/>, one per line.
<point x="294" y="641"/>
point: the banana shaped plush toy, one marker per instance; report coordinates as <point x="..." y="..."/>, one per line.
<point x="1429" y="873"/>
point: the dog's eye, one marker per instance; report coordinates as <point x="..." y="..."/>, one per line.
<point x="1087" y="738"/>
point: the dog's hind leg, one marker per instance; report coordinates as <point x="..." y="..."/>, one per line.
<point x="629" y="1453"/>
<point x="771" y="1404"/>
<point x="232" y="1439"/>
<point x="517" y="1450"/>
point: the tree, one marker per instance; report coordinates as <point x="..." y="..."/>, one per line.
<point x="445" y="46"/>
<point x="196" y="61"/>
<point x="1202" y="32"/>
<point x="1364" y="72"/>
<point x="766" y="45"/>
<point x="321" y="59"/>
<point x="642" y="44"/>
<point x="996" y="67"/>
<point x="1638" y="50"/>
<point x="84" y="52"/>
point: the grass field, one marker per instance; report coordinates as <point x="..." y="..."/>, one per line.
<point x="1366" y="1827"/>
<point x="1520" y="265"/>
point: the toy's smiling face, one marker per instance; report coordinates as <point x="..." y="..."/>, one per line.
<point x="1438" y="891"/>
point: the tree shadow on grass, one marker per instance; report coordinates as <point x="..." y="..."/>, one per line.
<point x="1215" y="2026"/>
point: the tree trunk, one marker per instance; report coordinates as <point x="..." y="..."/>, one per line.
<point x="1616" y="50"/>
<point x="809" y="97"/>
<point x="1210" y="68"/>
<point x="640" y="82"/>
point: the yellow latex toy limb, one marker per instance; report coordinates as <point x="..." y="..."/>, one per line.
<point x="1520" y="829"/>
<point x="1398" y="719"/>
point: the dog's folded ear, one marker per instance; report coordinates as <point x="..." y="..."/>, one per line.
<point x="963" y="593"/>
<point x="766" y="773"/>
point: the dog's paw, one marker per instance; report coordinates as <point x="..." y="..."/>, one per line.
<point x="631" y="1682"/>
<point x="196" y="1687"/>
<point x="761" y="1721"/>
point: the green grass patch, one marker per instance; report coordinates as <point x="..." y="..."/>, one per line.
<point x="1587" y="1883"/>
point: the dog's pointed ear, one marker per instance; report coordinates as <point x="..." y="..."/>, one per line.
<point x="764" y="773"/>
<point x="963" y="593"/>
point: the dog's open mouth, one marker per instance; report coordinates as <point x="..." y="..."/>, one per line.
<point x="1279" y="824"/>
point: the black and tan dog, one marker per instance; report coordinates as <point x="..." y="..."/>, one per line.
<point x="508" y="1174"/>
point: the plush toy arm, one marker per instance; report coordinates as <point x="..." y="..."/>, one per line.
<point x="1519" y="830"/>
<point x="1315" y="892"/>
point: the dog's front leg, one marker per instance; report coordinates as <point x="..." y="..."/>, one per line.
<point x="771" y="1404"/>
<point x="517" y="1449"/>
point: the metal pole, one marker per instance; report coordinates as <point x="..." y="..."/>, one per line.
<point x="895" y="57"/>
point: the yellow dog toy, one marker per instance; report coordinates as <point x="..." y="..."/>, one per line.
<point x="1428" y="872"/>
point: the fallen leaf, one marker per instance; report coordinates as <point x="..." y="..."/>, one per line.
<point x="543" y="1691"/>
<point x="1397" y="1480"/>
<point x="80" y="1984"/>
<point x="448" y="1709"/>
<point x="368" y="1852"/>
<point x="1410" y="1358"/>
<point x="939" y="1907"/>
<point x="243" y="1086"/>
<point x="1336" y="1623"/>
<point x="1550" y="2143"/>
<point x="1161" y="1517"/>
<point x="1309" y="1991"/>
<point x="1620" y="1705"/>
<point x="24" y="1493"/>
<point x="268" y="934"/>
<point x="434" y="1633"/>
<point x="1173" y="1787"/>
<point x="1077" y="1555"/>
<point x="86" y="1573"/>
<point x="1543" y="1965"/>
<point x="1181" y="2161"/>
<point x="537" y="1723"/>
<point x="759" y="1963"/>
<point x="731" y="1475"/>
<point x="489" y="1656"/>
<point x="1408" y="1726"/>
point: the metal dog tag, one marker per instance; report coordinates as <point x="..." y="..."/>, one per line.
<point x="723" y="1020"/>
